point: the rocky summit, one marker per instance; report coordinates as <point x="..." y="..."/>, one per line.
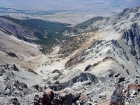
<point x="96" y="62"/>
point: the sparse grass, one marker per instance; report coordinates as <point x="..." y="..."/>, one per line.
<point x="71" y="45"/>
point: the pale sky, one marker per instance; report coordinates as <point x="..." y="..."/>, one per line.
<point x="67" y="4"/>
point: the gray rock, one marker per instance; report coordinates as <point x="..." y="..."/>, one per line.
<point x="132" y="37"/>
<point x="15" y="67"/>
<point x="8" y="91"/>
<point x="79" y="77"/>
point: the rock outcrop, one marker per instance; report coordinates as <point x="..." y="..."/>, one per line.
<point x="132" y="38"/>
<point x="72" y="79"/>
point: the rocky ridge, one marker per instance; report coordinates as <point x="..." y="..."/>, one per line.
<point x="105" y="71"/>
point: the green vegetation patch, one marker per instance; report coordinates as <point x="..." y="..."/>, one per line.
<point x="89" y="22"/>
<point x="84" y="25"/>
<point x="48" y="33"/>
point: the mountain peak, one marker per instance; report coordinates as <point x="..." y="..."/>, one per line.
<point x="96" y="62"/>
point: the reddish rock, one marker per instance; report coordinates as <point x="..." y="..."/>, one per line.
<point x="134" y="87"/>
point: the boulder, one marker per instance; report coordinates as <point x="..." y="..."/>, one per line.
<point x="121" y="79"/>
<point x="11" y="54"/>
<point x="15" y="67"/>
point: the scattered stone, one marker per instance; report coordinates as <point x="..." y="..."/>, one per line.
<point x="56" y="71"/>
<point x="2" y="71"/>
<point x="15" y="101"/>
<point x="121" y="79"/>
<point x="11" y="54"/>
<point x="102" y="95"/>
<point x="126" y="103"/>
<point x="87" y="68"/>
<point x="15" y="67"/>
<point x="7" y="91"/>
<point x="38" y="88"/>
<point x="37" y="100"/>
<point x="133" y="93"/>
<point x="136" y="81"/>
<point x="117" y="74"/>
<point x="30" y="70"/>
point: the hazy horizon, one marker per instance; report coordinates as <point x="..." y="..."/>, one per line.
<point x="69" y="5"/>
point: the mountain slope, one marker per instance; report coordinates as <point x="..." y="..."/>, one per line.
<point x="15" y="29"/>
<point x="18" y="52"/>
<point x="45" y="33"/>
<point x="114" y="40"/>
<point x="96" y="67"/>
<point x="110" y="54"/>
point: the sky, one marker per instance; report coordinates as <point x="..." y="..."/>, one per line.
<point x="48" y="5"/>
